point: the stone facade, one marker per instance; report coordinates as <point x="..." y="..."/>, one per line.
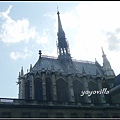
<point x="33" y="109"/>
<point x="71" y="91"/>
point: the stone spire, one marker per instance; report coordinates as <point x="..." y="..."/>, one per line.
<point x="60" y="29"/>
<point x="108" y="71"/>
<point x="63" y="47"/>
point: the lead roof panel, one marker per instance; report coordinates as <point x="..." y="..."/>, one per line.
<point x="49" y="63"/>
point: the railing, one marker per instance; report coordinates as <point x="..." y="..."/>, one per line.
<point x="53" y="103"/>
<point x="84" y="61"/>
<point x="49" y="56"/>
<point x="6" y="100"/>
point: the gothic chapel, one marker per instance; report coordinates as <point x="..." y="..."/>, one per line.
<point x="62" y="79"/>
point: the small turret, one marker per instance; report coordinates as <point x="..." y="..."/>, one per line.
<point x="83" y="70"/>
<point x="30" y="67"/>
<point x="108" y="71"/>
<point x="40" y="54"/>
<point x="19" y="75"/>
<point x="22" y="72"/>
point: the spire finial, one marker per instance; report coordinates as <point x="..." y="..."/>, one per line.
<point x="19" y="75"/>
<point x="57" y="10"/>
<point x="95" y="59"/>
<point x="30" y="67"/>
<point x="22" y="73"/>
<point x="40" y="53"/>
<point x="102" y="50"/>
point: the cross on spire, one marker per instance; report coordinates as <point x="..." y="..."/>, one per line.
<point x="57" y="10"/>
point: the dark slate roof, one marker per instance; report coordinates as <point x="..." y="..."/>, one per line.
<point x="50" y="62"/>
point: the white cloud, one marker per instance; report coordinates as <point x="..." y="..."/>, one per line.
<point x="17" y="55"/>
<point x="42" y="39"/>
<point x="52" y="52"/>
<point x="20" y="30"/>
<point x="15" y="31"/>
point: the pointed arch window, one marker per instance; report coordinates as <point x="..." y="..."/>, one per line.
<point x="94" y="97"/>
<point x="62" y="90"/>
<point x="27" y="89"/>
<point x="78" y="87"/>
<point x="38" y="91"/>
<point x="106" y="85"/>
<point x="48" y="82"/>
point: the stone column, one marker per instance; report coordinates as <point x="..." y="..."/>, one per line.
<point x="86" y="88"/>
<point x="43" y="85"/>
<point x="70" y="89"/>
<point x="54" y="87"/>
<point x="32" y="81"/>
<point x="102" y="97"/>
<point x="21" y="88"/>
<point x="111" y="81"/>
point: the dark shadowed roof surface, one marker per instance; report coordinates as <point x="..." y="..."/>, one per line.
<point x="49" y="63"/>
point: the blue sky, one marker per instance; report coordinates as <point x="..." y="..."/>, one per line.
<point x="27" y="27"/>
